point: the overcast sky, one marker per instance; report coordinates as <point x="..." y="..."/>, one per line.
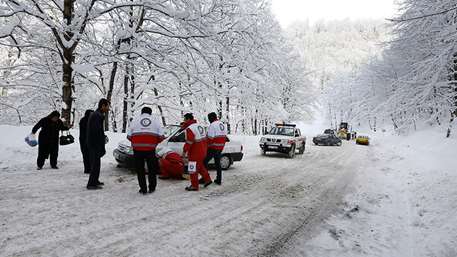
<point x="289" y="11"/>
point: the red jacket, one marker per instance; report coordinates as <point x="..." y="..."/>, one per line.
<point x="196" y="144"/>
<point x="217" y="135"/>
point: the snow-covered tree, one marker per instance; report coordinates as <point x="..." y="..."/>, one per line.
<point x="198" y="56"/>
<point x="413" y="81"/>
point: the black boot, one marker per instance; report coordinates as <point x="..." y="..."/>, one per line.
<point x="209" y="183"/>
<point x="190" y="188"/>
<point x="94" y="187"/>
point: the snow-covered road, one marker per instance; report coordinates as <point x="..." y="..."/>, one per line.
<point x="264" y="204"/>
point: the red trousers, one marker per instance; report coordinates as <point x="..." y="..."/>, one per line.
<point x="201" y="169"/>
<point x="171" y="169"/>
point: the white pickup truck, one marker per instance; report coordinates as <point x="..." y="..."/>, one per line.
<point x="283" y="138"/>
<point x="175" y="139"/>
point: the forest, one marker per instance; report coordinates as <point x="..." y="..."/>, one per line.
<point x="177" y="56"/>
<point x="231" y="57"/>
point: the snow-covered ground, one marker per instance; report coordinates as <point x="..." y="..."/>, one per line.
<point x="394" y="198"/>
<point x="405" y="203"/>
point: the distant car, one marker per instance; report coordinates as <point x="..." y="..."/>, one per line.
<point x="175" y="139"/>
<point x="330" y="132"/>
<point x="283" y="138"/>
<point x="327" y="139"/>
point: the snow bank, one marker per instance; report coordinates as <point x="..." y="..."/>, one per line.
<point x="405" y="203"/>
<point x="15" y="153"/>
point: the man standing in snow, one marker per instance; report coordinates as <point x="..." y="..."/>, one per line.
<point x="48" y="140"/>
<point x="96" y="143"/>
<point x="217" y="136"/>
<point x="145" y="133"/>
<point x="195" y="148"/>
<point x="82" y="140"/>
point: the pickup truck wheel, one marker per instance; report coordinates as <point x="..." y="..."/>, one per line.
<point x="302" y="149"/>
<point x="291" y="153"/>
<point x="226" y="162"/>
<point x="263" y="152"/>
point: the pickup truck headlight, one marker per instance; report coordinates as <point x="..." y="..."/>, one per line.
<point x="263" y="139"/>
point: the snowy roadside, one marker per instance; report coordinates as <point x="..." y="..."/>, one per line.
<point x="404" y="206"/>
<point x="264" y="201"/>
<point x="401" y="193"/>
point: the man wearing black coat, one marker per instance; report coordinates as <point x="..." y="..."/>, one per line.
<point x="48" y="140"/>
<point x="96" y="143"/>
<point x="83" y="139"/>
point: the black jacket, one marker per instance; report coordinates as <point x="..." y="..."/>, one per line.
<point x="49" y="133"/>
<point x="96" y="134"/>
<point x="83" y="127"/>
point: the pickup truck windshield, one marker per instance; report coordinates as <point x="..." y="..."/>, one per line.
<point x="282" y="131"/>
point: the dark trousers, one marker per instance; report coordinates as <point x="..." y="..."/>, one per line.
<point x="216" y="154"/>
<point x="46" y="150"/>
<point x="86" y="156"/>
<point x="95" y="160"/>
<point x="153" y="166"/>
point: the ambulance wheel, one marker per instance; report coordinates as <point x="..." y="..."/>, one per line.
<point x="226" y="162"/>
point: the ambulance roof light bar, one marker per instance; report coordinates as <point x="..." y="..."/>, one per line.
<point x="285" y="125"/>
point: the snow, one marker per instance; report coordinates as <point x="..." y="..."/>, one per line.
<point x="393" y="198"/>
<point x="83" y="68"/>
<point x="404" y="204"/>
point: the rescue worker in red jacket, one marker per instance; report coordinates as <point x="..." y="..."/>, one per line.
<point x="171" y="164"/>
<point x="217" y="136"/>
<point x="195" y="148"/>
<point x="145" y="133"/>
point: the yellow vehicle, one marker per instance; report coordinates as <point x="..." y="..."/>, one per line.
<point x="362" y="140"/>
<point x="343" y="131"/>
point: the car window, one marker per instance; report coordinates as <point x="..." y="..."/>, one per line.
<point x="179" y="137"/>
<point x="282" y="131"/>
<point x="328" y="131"/>
<point x="170" y="130"/>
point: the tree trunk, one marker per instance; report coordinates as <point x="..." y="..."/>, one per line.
<point x="132" y="92"/>
<point x="453" y="78"/>
<point x="125" y="102"/>
<point x="227" y="114"/>
<point x="243" y="121"/>
<point x="109" y="95"/>
<point x="159" y="107"/>
<point x="255" y="131"/>
<point x="128" y="77"/>
<point x="67" y="70"/>
<point x="449" y="130"/>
